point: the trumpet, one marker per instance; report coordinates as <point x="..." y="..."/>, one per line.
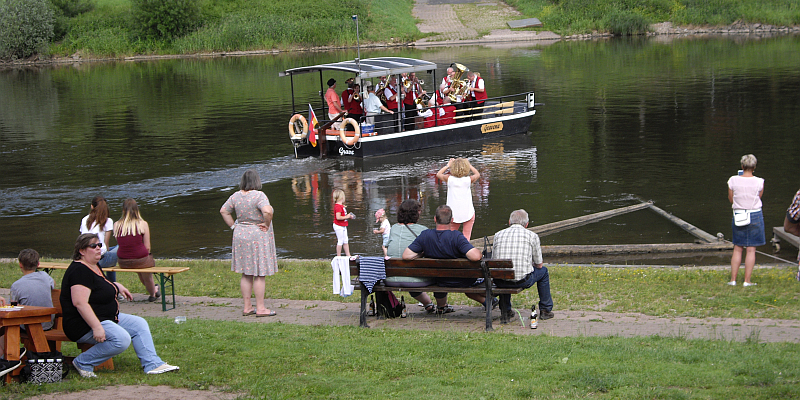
<point x="356" y="97"/>
<point x="421" y="82"/>
<point x="422" y="100"/>
<point x="406" y="83"/>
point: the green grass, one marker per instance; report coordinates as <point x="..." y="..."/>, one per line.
<point x="584" y="16"/>
<point x="279" y="361"/>
<point x="659" y="292"/>
<point x="233" y="25"/>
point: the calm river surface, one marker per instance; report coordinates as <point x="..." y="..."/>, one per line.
<point x="626" y="119"/>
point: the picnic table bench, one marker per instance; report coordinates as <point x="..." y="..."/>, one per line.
<point x="166" y="277"/>
<point x="437" y="268"/>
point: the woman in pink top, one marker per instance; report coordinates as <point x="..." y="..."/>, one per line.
<point x="744" y="193"/>
<point x="133" y="239"/>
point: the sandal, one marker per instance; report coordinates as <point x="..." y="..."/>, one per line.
<point x="446" y="309"/>
<point x="430" y="308"/>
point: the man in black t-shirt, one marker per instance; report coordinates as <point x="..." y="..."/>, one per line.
<point x="443" y="243"/>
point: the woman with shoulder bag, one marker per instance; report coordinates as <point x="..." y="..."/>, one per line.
<point x="744" y="193"/>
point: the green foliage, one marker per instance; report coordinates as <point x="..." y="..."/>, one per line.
<point x="164" y="19"/>
<point x="64" y="10"/>
<point x="625" y="23"/>
<point x="26" y="27"/>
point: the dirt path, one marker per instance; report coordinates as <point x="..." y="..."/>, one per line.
<point x="471" y="319"/>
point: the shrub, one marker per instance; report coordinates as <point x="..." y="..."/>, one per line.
<point x="26" y="27"/>
<point x="625" y="23"/>
<point x="64" y="10"/>
<point x="164" y="19"/>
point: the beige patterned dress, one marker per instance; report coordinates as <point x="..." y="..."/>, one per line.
<point x="253" y="251"/>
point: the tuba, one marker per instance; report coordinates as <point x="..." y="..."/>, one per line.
<point x="459" y="86"/>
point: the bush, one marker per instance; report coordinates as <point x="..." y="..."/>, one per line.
<point x="66" y="9"/>
<point x="625" y="23"/>
<point x="164" y="19"/>
<point x="26" y="27"/>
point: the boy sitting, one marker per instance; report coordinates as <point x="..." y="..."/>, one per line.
<point x="33" y="289"/>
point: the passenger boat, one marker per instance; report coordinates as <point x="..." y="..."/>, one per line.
<point x="499" y="116"/>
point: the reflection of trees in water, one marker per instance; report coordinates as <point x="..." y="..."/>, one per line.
<point x="28" y="105"/>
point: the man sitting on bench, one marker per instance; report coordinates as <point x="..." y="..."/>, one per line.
<point x="443" y="243"/>
<point x="33" y="288"/>
<point x="523" y="248"/>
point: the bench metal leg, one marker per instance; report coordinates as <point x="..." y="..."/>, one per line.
<point x="487" y="280"/>
<point x="363" y="317"/>
<point x="165" y="282"/>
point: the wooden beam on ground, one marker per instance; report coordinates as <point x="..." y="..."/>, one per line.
<point x="547" y="229"/>
<point x="587" y="250"/>
<point x="693" y="230"/>
<point x="788" y="237"/>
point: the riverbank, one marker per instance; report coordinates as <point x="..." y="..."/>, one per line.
<point x="442" y="24"/>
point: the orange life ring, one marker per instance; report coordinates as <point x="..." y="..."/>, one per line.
<point x="344" y="138"/>
<point x="294" y="135"/>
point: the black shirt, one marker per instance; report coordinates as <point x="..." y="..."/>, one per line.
<point x="103" y="299"/>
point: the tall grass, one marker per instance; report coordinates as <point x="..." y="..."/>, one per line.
<point x="585" y="16"/>
<point x="108" y="29"/>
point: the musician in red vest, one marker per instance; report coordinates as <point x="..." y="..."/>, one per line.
<point x="411" y="92"/>
<point x="390" y="93"/>
<point x="354" y="108"/>
<point x="449" y="116"/>
<point x="345" y="98"/>
<point x="477" y="92"/>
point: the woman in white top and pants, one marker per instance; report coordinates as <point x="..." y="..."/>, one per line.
<point x="459" y="192"/>
<point x="744" y="193"/>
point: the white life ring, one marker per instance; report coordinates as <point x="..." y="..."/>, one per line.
<point x="294" y="135"/>
<point x="354" y="139"/>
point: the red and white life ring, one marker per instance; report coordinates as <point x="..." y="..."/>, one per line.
<point x="353" y="140"/>
<point x="298" y="135"/>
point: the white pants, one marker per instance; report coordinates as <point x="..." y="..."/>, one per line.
<point x="335" y="124"/>
<point x="341" y="234"/>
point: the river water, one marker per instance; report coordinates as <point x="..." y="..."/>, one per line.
<point x="624" y="120"/>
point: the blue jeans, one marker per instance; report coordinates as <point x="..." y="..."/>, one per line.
<point x="131" y="329"/>
<point x="538" y="276"/>
<point x="108" y="260"/>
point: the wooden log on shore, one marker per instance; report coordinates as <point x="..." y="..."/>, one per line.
<point x="693" y="230"/>
<point x="586" y="250"/>
<point x="547" y="229"/>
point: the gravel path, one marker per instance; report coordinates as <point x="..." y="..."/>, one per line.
<point x="471" y="319"/>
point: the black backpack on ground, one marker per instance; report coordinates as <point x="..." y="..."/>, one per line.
<point x="387" y="306"/>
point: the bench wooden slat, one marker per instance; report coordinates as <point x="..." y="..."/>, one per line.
<point x="474" y="289"/>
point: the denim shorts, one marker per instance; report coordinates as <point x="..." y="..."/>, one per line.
<point x="750" y="235"/>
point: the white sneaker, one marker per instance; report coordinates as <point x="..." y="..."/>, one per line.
<point x="732" y="283"/>
<point x="746" y="284"/>
<point x="163" y="368"/>
<point x="85" y="374"/>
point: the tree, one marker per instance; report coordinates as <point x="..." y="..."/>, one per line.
<point x="26" y="27"/>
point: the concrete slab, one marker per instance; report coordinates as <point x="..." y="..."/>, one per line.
<point x="525" y="23"/>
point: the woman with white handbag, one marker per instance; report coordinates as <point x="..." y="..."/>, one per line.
<point x="744" y="192"/>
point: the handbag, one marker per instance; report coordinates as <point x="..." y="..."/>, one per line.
<point x="741" y="217"/>
<point x="45" y="367"/>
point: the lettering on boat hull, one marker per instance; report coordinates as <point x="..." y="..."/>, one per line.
<point x="343" y="151"/>
<point x="494" y="127"/>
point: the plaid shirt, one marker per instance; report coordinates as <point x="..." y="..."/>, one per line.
<point x="521" y="246"/>
<point x="794" y="210"/>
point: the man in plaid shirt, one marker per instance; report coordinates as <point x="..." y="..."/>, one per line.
<point x="791" y="224"/>
<point x="522" y="247"/>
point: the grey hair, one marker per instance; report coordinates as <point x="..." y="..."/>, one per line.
<point x="250" y="180"/>
<point x="518" y="217"/>
<point x="749" y="161"/>
<point x="370" y="88"/>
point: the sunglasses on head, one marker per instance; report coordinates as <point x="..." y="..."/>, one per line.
<point x="96" y="245"/>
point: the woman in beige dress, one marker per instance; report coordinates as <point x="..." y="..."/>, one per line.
<point x="253" y="250"/>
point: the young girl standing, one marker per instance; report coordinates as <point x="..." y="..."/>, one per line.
<point x="340" y="217"/>
<point x="385" y="229"/>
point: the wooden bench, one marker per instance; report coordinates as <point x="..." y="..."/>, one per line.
<point x="165" y="274"/>
<point x="56" y="334"/>
<point x="435" y="268"/>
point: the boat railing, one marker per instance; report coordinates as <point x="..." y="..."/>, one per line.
<point x="386" y="123"/>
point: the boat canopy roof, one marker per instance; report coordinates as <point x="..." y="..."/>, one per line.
<point x="368" y="68"/>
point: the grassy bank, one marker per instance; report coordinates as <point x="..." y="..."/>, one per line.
<point x="108" y="30"/>
<point x="628" y="16"/>
<point x="652" y="291"/>
<point x="278" y="361"/>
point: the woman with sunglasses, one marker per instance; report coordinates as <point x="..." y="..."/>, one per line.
<point x="91" y="314"/>
<point x="133" y="238"/>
